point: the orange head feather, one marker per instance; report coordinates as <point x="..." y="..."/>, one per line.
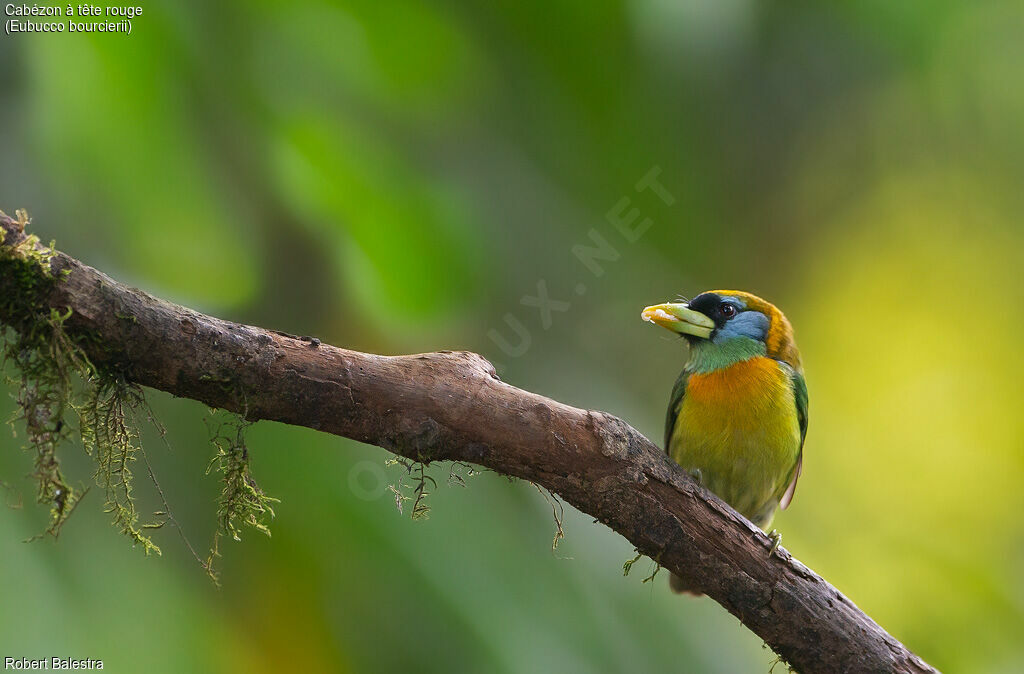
<point x="779" y="342"/>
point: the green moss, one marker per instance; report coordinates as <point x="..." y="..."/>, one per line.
<point x="242" y="503"/>
<point x="628" y="566"/>
<point x="778" y="660"/>
<point x="34" y="342"/>
<point x="112" y="439"/>
<point x="411" y="485"/>
<point x="55" y="379"/>
<point x="557" y="513"/>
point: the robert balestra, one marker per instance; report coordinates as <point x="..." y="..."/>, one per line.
<point x="52" y="663"/>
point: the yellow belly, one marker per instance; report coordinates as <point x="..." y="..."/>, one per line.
<point x="739" y="427"/>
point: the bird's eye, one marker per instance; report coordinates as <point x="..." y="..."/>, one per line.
<point x="727" y="310"/>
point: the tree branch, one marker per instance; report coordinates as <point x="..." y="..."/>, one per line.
<point x="452" y="406"/>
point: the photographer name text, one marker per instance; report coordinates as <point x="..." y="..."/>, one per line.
<point x="54" y="663"/>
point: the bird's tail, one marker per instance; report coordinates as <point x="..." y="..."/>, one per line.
<point x="681" y="586"/>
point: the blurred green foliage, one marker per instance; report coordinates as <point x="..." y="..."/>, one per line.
<point x="396" y="177"/>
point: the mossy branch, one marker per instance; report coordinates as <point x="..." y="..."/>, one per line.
<point x="35" y="343"/>
<point x="55" y="377"/>
<point x="452" y="406"/>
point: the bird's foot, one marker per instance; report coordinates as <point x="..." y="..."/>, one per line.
<point x="698" y="476"/>
<point x="776" y="538"/>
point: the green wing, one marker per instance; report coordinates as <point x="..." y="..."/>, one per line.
<point x="800" y="392"/>
<point x="678" y="391"/>
<point x="800" y="396"/>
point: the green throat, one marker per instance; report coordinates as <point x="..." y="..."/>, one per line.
<point x="706" y="356"/>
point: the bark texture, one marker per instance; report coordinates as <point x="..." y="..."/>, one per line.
<point x="452" y="406"/>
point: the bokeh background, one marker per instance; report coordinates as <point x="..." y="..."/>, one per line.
<point x="396" y="177"/>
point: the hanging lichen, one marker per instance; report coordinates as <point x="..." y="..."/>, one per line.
<point x="415" y="473"/>
<point x="54" y="378"/>
<point x="411" y="483"/>
<point x="241" y="502"/>
<point x="35" y="343"/>
<point x="112" y="440"/>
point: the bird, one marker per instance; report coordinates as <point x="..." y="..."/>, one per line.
<point x="737" y="416"/>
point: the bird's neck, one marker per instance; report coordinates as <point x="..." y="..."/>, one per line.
<point x="707" y="356"/>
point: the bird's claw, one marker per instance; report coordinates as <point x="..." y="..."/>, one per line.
<point x="698" y="476"/>
<point x="776" y="538"/>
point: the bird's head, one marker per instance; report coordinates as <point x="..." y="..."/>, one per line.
<point x="729" y="321"/>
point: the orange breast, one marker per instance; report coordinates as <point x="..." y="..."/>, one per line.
<point x="740" y="390"/>
<point x="738" y="426"/>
